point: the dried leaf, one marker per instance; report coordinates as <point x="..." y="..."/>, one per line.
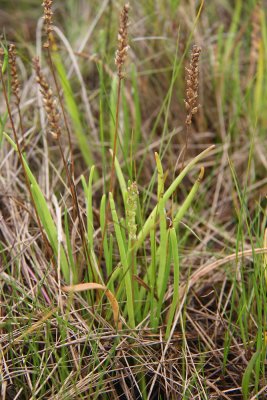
<point x="81" y="287"/>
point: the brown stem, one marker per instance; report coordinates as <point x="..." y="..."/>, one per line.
<point x="51" y="65"/>
<point x="77" y="210"/>
<point x="47" y="245"/>
<point x="21" y="127"/>
<point x="187" y="135"/>
<point x="71" y="173"/>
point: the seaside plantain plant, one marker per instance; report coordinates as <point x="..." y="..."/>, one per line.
<point x="135" y="295"/>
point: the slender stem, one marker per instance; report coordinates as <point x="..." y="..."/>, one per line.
<point x="21" y="127"/>
<point x="77" y="210"/>
<point x="112" y="174"/>
<point x="47" y="245"/>
<point x="51" y="65"/>
<point x="187" y="135"/>
<point x="70" y="173"/>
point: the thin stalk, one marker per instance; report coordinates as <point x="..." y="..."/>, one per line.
<point x="187" y="135"/>
<point x="70" y="172"/>
<point x="114" y="152"/>
<point x="112" y="174"/>
<point x="15" y="85"/>
<point x="21" y="127"/>
<point x="176" y="282"/>
<point x="125" y="264"/>
<point x="77" y="209"/>
<point x="51" y="65"/>
<point x="47" y="245"/>
<point x="120" y="59"/>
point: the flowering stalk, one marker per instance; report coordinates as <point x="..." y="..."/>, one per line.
<point x="48" y="248"/>
<point x="15" y="85"/>
<point x="120" y="58"/>
<point x="53" y="118"/>
<point x="191" y="100"/>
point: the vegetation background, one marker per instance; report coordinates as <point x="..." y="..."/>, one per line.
<point x="170" y="273"/>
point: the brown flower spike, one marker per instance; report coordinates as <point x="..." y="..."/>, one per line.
<point x="13" y="71"/>
<point x="123" y="47"/>
<point x="192" y="79"/>
<point x="49" y="101"/>
<point x="48" y="14"/>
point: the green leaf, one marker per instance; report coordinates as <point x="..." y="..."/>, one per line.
<point x="45" y="216"/>
<point x="247" y="375"/>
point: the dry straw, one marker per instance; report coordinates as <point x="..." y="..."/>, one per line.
<point x="123" y="47"/>
<point x="49" y="101"/>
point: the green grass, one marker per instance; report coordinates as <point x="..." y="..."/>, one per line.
<point x="158" y="293"/>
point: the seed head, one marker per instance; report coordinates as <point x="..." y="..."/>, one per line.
<point x="50" y="103"/>
<point x="13" y="71"/>
<point x="123" y="47"/>
<point x="131" y="206"/>
<point x="48" y="15"/>
<point x="192" y="79"/>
